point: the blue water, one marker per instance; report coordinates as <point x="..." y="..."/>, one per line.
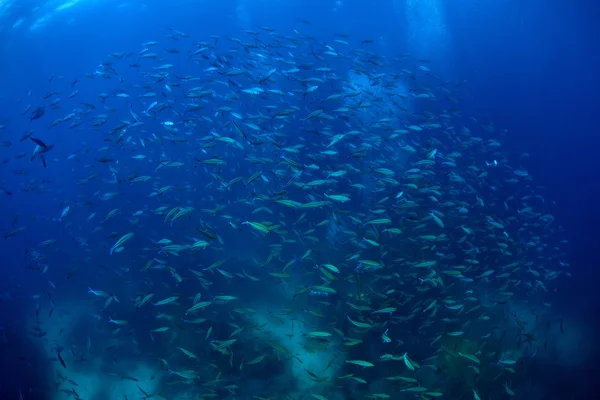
<point x="529" y="67"/>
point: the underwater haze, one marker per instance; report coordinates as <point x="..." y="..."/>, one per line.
<point x="317" y="199"/>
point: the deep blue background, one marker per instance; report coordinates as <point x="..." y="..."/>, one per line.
<point x="531" y="66"/>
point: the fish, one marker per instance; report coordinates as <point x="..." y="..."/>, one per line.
<point x="121" y="241"/>
<point x="361" y="363"/>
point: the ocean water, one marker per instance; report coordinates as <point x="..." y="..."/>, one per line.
<point x="298" y="199"/>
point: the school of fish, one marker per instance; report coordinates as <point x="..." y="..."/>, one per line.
<point x="340" y="194"/>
